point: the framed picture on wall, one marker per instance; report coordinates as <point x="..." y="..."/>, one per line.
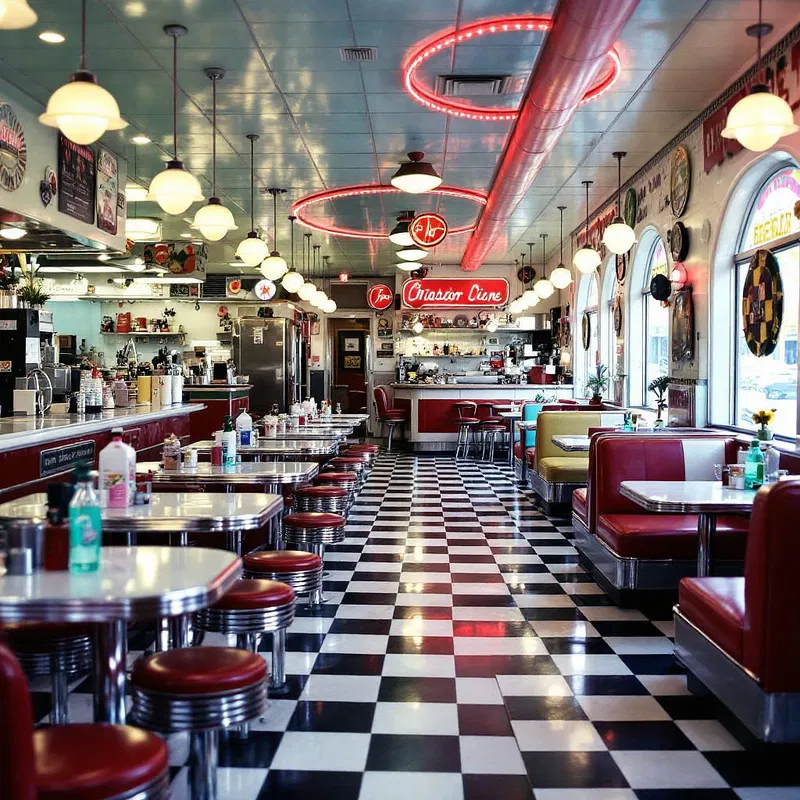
<point x="352" y="344"/>
<point x="352" y="362"/>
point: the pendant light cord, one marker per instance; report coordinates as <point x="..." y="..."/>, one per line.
<point x="252" y="138"/>
<point x="544" y="255"/>
<point x="759" y="31"/>
<point x="214" y="137"/>
<point x="530" y="256"/>
<point x="291" y="239"/>
<point x="275" y="221"/>
<point x="174" y="95"/>
<point x="561" y="228"/>
<point x="522" y="261"/>
<point x="83" y="35"/>
<point x="619" y="184"/>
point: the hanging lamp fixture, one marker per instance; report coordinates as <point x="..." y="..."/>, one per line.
<point x="587" y="259"/>
<point x="758" y="120"/>
<point x="516" y="306"/>
<point x="319" y="297"/>
<point x="399" y="234"/>
<point x="252" y="249"/>
<point x="81" y="109"/>
<point x="213" y="220"/>
<point x="274" y="267"/>
<point x="619" y="237"/>
<point x="416" y="176"/>
<point x="174" y="188"/>
<point x="16" y="15"/>
<point x="412" y="253"/>
<point x="543" y="287"/>
<point x="292" y="280"/>
<point x="306" y="291"/>
<point x="529" y="297"/>
<point x="329" y="306"/>
<point x="561" y="277"/>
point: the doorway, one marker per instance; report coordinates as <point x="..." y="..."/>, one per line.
<point x="351" y="357"/>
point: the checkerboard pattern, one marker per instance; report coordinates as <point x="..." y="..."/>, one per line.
<point x="463" y="652"/>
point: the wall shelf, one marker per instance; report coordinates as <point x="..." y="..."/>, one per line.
<point x="482" y="331"/>
<point x="458" y="355"/>
<point x="162" y="335"/>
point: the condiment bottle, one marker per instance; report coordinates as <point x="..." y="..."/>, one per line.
<point x="56" y="532"/>
<point x="85" y="523"/>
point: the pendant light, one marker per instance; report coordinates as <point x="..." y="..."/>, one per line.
<point x="561" y="277"/>
<point x="16" y="15"/>
<point x="174" y="188"/>
<point x="543" y="287"/>
<point x="329" y="306"/>
<point x="529" y="297"/>
<point x="80" y="109"/>
<point x="319" y="297"/>
<point x="252" y="249"/>
<point x="412" y="253"/>
<point x="214" y="220"/>
<point x="416" y="176"/>
<point x="274" y="267"/>
<point x="758" y="120"/>
<point x="292" y="280"/>
<point x="407" y="266"/>
<point x="619" y="237"/>
<point x="587" y="259"/>
<point x="399" y="234"/>
<point x="306" y="291"/>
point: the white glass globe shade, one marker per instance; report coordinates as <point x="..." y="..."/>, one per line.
<point x="214" y="221"/>
<point x="586" y="260"/>
<point x="175" y="189"/>
<point x="561" y="277"/>
<point x="492" y="325"/>
<point x="407" y="266"/>
<point x="318" y="298"/>
<point x="252" y="250"/>
<point x="274" y="267"/>
<point x="413" y="253"/>
<point x="15" y="15"/>
<point x="619" y="237"/>
<point x="529" y="298"/>
<point x="543" y="288"/>
<point x="418" y="327"/>
<point x="306" y="291"/>
<point x="292" y="281"/>
<point x="516" y="306"/>
<point x="759" y="120"/>
<point x="82" y="111"/>
<point x="401" y="239"/>
<point x="329" y="306"/>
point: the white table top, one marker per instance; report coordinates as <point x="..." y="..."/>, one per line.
<point x="687" y="497"/>
<point x="264" y="446"/>
<point x="170" y="512"/>
<point x="246" y="472"/>
<point x="527" y="424"/>
<point x="510" y="414"/>
<point x="316" y="432"/>
<point x="131" y="583"/>
<point x="572" y="444"/>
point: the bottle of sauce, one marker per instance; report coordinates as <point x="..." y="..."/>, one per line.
<point x="56" y="532"/>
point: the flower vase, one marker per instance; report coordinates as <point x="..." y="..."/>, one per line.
<point x="764" y="434"/>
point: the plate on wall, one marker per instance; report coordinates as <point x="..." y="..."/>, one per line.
<point x="680" y="180"/>
<point x="762" y="304"/>
<point x="586" y="330"/>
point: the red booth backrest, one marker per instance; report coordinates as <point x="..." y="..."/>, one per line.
<point x="16" y="731"/>
<point x="772" y="623"/>
<point x="650" y="457"/>
<point x="381" y="400"/>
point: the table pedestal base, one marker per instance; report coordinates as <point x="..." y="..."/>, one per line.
<point x="110" y="653"/>
<point x="706" y="528"/>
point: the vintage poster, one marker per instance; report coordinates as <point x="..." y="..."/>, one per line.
<point x="76" y="178"/>
<point x="107" y="189"/>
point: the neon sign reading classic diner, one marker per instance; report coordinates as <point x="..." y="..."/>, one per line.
<point x="455" y="293"/>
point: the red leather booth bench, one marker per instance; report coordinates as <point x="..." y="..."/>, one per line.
<point x="630" y="548"/>
<point x="740" y="637"/>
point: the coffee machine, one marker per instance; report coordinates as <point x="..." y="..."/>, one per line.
<point x="21" y="333"/>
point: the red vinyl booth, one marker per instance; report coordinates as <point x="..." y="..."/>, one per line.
<point x="634" y="549"/>
<point x="740" y="637"/>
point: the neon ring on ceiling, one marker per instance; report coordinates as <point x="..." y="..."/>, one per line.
<point x="299" y="207"/>
<point x="430" y="99"/>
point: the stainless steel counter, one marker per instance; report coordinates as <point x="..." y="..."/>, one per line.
<point x="499" y="387"/>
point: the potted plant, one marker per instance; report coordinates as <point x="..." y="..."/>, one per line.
<point x="763" y="419"/>
<point x="597" y="384"/>
<point x="31" y="293"/>
<point x="8" y="283"/>
<point x="658" y="386"/>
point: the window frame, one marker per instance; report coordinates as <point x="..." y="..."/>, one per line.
<point x="646" y="304"/>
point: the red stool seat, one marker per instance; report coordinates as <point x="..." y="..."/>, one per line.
<point x="367" y="448"/>
<point x="393" y="413"/>
<point x="255" y="594"/>
<point x="345" y="460"/>
<point x="92" y="762"/>
<point x="494" y="427"/>
<point x="467" y="420"/>
<point x="314" y="519"/>
<point x="337" y="477"/>
<point x="199" y="670"/>
<point x="281" y="561"/>
<point x="321" y="491"/>
<point x="492" y="420"/>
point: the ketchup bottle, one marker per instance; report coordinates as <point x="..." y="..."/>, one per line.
<point x="56" y="532"/>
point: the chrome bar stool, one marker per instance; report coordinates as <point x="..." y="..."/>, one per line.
<point x="297" y="568"/>
<point x="200" y="690"/>
<point x="312" y="530"/>
<point x="345" y="480"/>
<point x="322" y="498"/>
<point x="57" y="650"/>
<point x="367" y="456"/>
<point x="347" y="464"/>
<point x="251" y="608"/>
<point x="467" y="423"/>
<point x="490" y="433"/>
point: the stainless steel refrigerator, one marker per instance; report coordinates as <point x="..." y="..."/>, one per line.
<point x="269" y="352"/>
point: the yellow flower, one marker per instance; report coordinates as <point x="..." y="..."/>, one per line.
<point x="764" y="417"/>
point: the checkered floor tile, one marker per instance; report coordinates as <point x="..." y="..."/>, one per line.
<point x="463" y="652"/>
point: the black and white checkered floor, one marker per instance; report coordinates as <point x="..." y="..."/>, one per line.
<point x="464" y="653"/>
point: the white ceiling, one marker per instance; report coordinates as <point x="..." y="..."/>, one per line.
<point x="325" y="123"/>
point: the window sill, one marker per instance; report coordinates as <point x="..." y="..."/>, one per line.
<point x="785" y="444"/>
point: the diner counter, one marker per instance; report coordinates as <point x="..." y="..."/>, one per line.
<point x="561" y="389"/>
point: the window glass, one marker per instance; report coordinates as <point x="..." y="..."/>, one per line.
<point x="770" y="381"/>
<point x="656" y="324"/>
<point x="772" y="214"/>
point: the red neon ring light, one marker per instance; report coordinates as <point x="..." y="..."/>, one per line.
<point x="430" y="48"/>
<point x="299" y="206"/>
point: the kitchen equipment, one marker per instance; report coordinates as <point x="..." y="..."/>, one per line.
<point x="124" y="322"/>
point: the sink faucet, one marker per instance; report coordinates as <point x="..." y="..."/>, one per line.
<point x="130" y="347"/>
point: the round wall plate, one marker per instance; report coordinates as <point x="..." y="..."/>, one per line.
<point x="679" y="241"/>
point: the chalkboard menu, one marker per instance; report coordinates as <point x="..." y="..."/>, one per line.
<point x="76" y="179"/>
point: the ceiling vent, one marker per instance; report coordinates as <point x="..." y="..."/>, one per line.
<point x="358" y="53"/>
<point x="474" y="85"/>
<point x="215" y="285"/>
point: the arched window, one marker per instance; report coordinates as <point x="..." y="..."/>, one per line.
<point x="770" y="381"/>
<point x="655" y="357"/>
<point x="588" y="307"/>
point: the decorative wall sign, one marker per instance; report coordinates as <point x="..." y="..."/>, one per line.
<point x="60" y="459"/>
<point x="660" y="288"/>
<point x="680" y="180"/>
<point x="762" y="304"/>
<point x="629" y="207"/>
<point x="678" y="241"/>
<point x="617" y="311"/>
<point x="265" y="290"/>
<point x="428" y="230"/>
<point x="683" y="326"/>
<point x="107" y="189"/>
<point x="385" y="328"/>
<point x="13" y="150"/>
<point x="621" y="267"/>
<point x="380" y="297"/>
<point x="76" y="178"/>
<point x="180" y="258"/>
<point x="455" y="293"/>
<point x="773" y="214"/>
<point x="586" y="331"/>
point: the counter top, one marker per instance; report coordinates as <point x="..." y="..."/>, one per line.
<point x="501" y="387"/>
<point x="17" y="432"/>
<point x="199" y="388"/>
